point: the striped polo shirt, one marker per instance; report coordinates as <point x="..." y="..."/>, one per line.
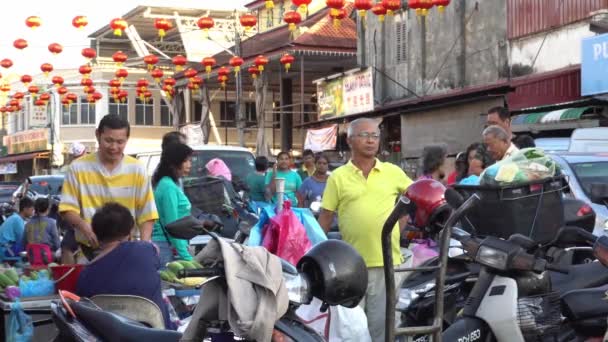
<point x="88" y="185"/>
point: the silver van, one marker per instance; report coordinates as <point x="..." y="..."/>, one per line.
<point x="589" y="140"/>
<point x="239" y="160"/>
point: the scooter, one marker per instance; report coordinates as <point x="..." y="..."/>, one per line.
<point x="78" y="320"/>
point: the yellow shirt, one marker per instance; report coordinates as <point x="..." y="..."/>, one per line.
<point x="88" y="186"/>
<point x="363" y="205"/>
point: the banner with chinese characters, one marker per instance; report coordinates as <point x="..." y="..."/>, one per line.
<point x="321" y="139"/>
<point x="346" y="95"/>
<point x="28" y="141"/>
<point x="39" y="117"/>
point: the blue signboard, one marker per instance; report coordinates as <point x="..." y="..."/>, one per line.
<point x="594" y="66"/>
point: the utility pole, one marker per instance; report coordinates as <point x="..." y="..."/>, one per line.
<point x="240" y="120"/>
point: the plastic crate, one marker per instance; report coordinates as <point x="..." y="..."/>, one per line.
<point x="534" y="209"/>
<point x="206" y="194"/>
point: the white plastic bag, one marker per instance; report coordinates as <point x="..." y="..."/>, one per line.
<point x="337" y="323"/>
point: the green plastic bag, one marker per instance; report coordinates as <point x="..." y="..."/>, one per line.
<point x="527" y="165"/>
<point x="20" y="325"/>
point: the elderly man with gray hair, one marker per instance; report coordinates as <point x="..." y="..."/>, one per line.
<point x="498" y="142"/>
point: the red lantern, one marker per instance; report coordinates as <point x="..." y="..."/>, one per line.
<point x="62" y="90"/>
<point x="287" y="60"/>
<point x="253" y="71"/>
<point x="45" y="97"/>
<point x="65" y="102"/>
<point x="260" y="61"/>
<point x="168" y="91"/>
<point x="6" y="63"/>
<point x="189" y="73"/>
<point x="96" y="96"/>
<point x="121" y="74"/>
<point x="33" y="89"/>
<point x="18" y="95"/>
<point x="337" y="16"/>
<point x="335" y="6"/>
<point x="33" y="22"/>
<point x="269" y="4"/>
<point x="56" y="48"/>
<point x="57" y="81"/>
<point x="363" y="6"/>
<point x="119" y="58"/>
<point x="292" y="18"/>
<point x="302" y="5"/>
<point x="179" y="61"/>
<point x="80" y="22"/>
<point x="157" y="74"/>
<point x="46" y="68"/>
<point x="13" y="103"/>
<point x="89" y="53"/>
<point x="20" y="44"/>
<point x="122" y="95"/>
<point x="205" y="24"/>
<point x="195" y="83"/>
<point x="169" y="82"/>
<point x="441" y="4"/>
<point x="26" y="79"/>
<point x="223" y="71"/>
<point x="86" y="83"/>
<point x="71" y="97"/>
<point x="391" y="6"/>
<point x="5" y="88"/>
<point x="85" y="70"/>
<point x="114" y="83"/>
<point x="248" y="21"/>
<point x="118" y="25"/>
<point x="151" y="61"/>
<point x="162" y="25"/>
<point x="89" y="90"/>
<point x="380" y="11"/>
<point x="222" y="79"/>
<point x="421" y="6"/>
<point x="208" y="62"/>
<point x="142" y="83"/>
<point x="236" y="63"/>
<point x="39" y="103"/>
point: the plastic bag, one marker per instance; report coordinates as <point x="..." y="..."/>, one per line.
<point x="422" y="251"/>
<point x="20" y="325"/>
<point x="337" y="323"/>
<point x="266" y="211"/>
<point x="43" y="286"/>
<point x="530" y="164"/>
<point x="285" y="236"/>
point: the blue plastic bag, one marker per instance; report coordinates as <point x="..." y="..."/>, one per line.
<point x="313" y="230"/>
<point x="20" y="325"/>
<point x="43" y="286"/>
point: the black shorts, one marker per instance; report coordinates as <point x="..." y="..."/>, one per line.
<point x="69" y="240"/>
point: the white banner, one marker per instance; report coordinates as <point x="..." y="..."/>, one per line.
<point x="39" y="116"/>
<point x="8" y="168"/>
<point x="321" y="139"/>
<point x="194" y="134"/>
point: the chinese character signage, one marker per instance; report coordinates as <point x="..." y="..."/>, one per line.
<point x="28" y="141"/>
<point x="350" y="94"/>
<point x="38" y="116"/>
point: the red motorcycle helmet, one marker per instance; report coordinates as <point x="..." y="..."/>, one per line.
<point x="427" y="203"/>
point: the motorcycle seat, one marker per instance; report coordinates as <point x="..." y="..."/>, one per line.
<point x="582" y="276"/>
<point x="112" y="327"/>
<point x="582" y="304"/>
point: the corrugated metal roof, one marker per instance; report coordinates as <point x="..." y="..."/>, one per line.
<point x="525" y="17"/>
<point x="563" y="85"/>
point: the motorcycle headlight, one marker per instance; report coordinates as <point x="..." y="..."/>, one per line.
<point x="298" y="288"/>
<point x="409" y="295"/>
<point x="492" y="257"/>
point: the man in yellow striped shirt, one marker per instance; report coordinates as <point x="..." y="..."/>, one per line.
<point x="107" y="176"/>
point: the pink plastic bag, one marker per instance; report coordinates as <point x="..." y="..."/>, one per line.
<point x="285" y="236"/>
<point x="216" y="167"/>
<point x="423" y="250"/>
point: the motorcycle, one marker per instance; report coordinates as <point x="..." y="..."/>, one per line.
<point x="79" y="320"/>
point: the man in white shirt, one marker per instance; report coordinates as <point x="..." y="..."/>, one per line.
<point x="500" y="116"/>
<point x="498" y="143"/>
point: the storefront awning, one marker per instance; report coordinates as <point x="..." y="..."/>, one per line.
<point x="24" y="156"/>
<point x="566" y="118"/>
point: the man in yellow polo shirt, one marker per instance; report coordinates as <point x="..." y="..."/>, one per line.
<point x="363" y="193"/>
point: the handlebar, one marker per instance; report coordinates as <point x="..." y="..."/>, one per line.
<point x="201" y="272"/>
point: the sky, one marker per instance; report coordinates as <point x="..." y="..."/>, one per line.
<point x="56" y="27"/>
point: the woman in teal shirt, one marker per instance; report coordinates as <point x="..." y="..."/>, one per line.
<point x="292" y="179"/>
<point x="171" y="202"/>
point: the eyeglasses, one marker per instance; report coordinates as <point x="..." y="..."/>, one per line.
<point x="368" y="135"/>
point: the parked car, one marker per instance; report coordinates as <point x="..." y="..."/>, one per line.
<point x="553" y="145"/>
<point x="239" y="160"/>
<point x="43" y="186"/>
<point x="6" y="191"/>
<point x="583" y="170"/>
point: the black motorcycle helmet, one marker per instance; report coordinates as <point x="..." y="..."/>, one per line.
<point x="337" y="273"/>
